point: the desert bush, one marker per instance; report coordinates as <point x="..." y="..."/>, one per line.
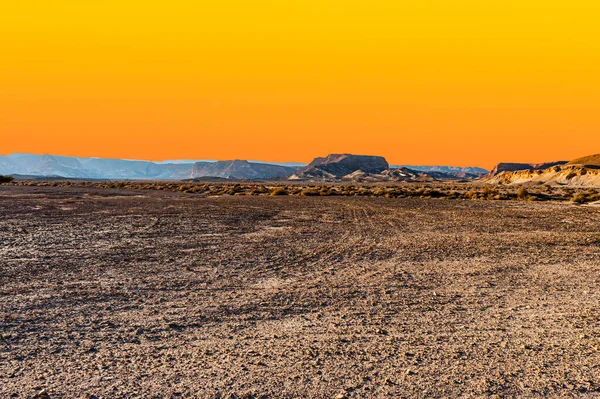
<point x="435" y="194"/>
<point x="394" y="193"/>
<point x="237" y="189"/>
<point x="379" y="192"/>
<point x="583" y="198"/>
<point x="522" y="193"/>
<point x="6" y="179"/>
<point x="579" y="198"/>
<point x="278" y="191"/>
<point x="490" y="192"/>
<point x="255" y="191"/>
<point x="310" y="192"/>
<point x="453" y="194"/>
<point x="327" y="191"/>
<point x="471" y="195"/>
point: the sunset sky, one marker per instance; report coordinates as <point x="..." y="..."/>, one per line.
<point x="419" y="82"/>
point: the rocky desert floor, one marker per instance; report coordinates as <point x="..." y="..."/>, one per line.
<point x="108" y="293"/>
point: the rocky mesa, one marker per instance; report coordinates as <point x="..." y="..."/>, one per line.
<point x="336" y="166"/>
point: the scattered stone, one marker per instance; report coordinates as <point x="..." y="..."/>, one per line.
<point x="43" y="394"/>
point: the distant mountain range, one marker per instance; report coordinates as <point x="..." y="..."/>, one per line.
<point x="91" y="168"/>
<point x="334" y="167"/>
<point x="116" y="169"/>
<point x="331" y="168"/>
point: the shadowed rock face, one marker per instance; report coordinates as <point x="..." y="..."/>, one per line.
<point x="338" y="165"/>
<point x="513" y="167"/>
<point x="239" y="169"/>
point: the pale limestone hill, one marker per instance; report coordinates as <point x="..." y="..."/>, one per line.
<point x="569" y="175"/>
<point x="590" y="160"/>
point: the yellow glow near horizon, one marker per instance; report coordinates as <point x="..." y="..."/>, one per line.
<point x="446" y="82"/>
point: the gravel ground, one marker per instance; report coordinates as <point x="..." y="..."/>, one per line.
<point x="147" y="294"/>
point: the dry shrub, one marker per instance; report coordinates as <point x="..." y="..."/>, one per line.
<point x="583" y="198"/>
<point x="327" y="191"/>
<point x="310" y="192"/>
<point x="6" y="179"/>
<point x="522" y="193"/>
<point x="279" y="191"/>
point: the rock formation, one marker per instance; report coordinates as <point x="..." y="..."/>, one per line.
<point x="589" y="161"/>
<point x="512" y="167"/>
<point x="241" y="170"/>
<point x="335" y="166"/>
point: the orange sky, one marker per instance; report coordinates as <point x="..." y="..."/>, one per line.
<point x="459" y="82"/>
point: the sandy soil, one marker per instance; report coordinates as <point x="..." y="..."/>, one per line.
<point x="148" y="294"/>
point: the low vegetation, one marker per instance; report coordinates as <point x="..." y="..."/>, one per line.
<point x="278" y="191"/>
<point x="443" y="191"/>
<point x="584" y="197"/>
<point x="6" y="179"/>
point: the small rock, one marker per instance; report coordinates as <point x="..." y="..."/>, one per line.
<point x="43" y="394"/>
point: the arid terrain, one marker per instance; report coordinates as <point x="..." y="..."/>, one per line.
<point x="125" y="293"/>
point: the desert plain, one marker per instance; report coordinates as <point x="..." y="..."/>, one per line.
<point x="125" y="293"/>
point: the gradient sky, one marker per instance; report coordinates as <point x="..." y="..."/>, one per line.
<point x="419" y="82"/>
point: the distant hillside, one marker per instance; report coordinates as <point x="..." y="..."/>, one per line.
<point x="512" y="167"/>
<point x="91" y="168"/>
<point x="469" y="172"/>
<point x="56" y="167"/>
<point x="334" y="167"/>
<point x="578" y="172"/>
<point x="590" y="160"/>
<point x="242" y="170"/>
<point x="567" y="175"/>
